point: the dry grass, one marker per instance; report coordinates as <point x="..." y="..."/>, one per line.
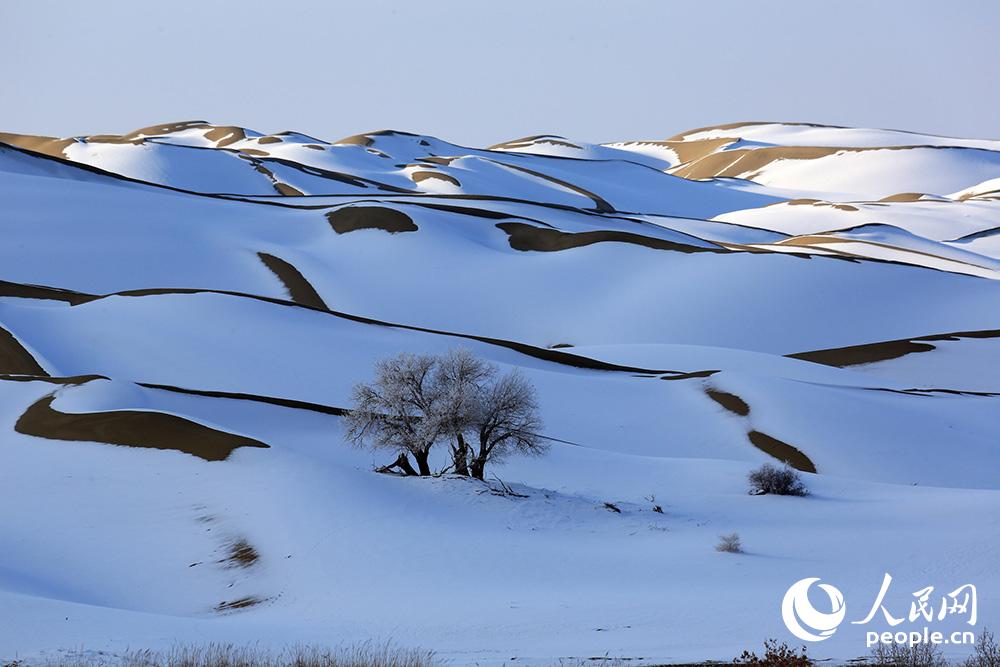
<point x="229" y="655"/>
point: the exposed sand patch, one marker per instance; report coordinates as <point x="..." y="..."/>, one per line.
<point x="749" y="161"/>
<point x="287" y="190"/>
<point x="299" y="289"/>
<point x="368" y="138"/>
<point x="524" y="142"/>
<point x="418" y="176"/>
<point x="41" y="292"/>
<point x="270" y="140"/>
<point x="66" y="380"/>
<point x="904" y="197"/>
<point x="751" y="123"/>
<point x="353" y="218"/>
<point x="240" y="603"/>
<point x="781" y="451"/>
<point x="168" y="128"/>
<point x="241" y="554"/>
<point x="223" y="135"/>
<point x="131" y="428"/>
<point x="730" y="402"/>
<point x="45" y="145"/>
<point x="690" y="376"/>
<point x="14" y="359"/>
<point x="522" y="236"/>
<point x="725" y="126"/>
<point x="686" y="151"/>
<point x="856" y="355"/>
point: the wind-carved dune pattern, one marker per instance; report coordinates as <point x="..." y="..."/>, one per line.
<point x="198" y="301"/>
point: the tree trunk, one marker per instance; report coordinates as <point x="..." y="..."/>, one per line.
<point x="478" y="468"/>
<point x="422" y="465"/>
<point x="401" y="462"/>
<point x="460" y="455"/>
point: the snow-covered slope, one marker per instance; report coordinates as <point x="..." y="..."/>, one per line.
<point x="184" y="310"/>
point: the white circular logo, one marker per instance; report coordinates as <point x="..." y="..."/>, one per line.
<point x="805" y="621"/>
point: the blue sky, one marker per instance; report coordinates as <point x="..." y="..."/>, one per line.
<point x="478" y="73"/>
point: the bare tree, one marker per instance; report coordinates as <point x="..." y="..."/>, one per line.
<point x="401" y="410"/>
<point x="461" y="379"/>
<point x="506" y="422"/>
<point x="418" y="400"/>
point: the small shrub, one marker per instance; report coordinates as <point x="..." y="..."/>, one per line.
<point x="902" y="655"/>
<point x="776" y="655"/>
<point x="651" y="499"/>
<point x="987" y="652"/>
<point x="730" y="544"/>
<point x="783" y="481"/>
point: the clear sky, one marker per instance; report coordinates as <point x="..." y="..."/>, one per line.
<point x="478" y="72"/>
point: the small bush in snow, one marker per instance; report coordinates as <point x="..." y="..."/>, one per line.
<point x="783" y="481"/>
<point x="730" y="544"/>
<point x="776" y="655"/>
<point x="902" y="655"/>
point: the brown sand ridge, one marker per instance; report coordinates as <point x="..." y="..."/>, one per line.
<point x="299" y="289"/>
<point x="14" y="359"/>
<point x="352" y="218"/>
<point x="868" y="353"/>
<point x="522" y="236"/>
<point x="368" y="138"/>
<point x="730" y="402"/>
<point x="66" y="380"/>
<point x="749" y="161"/>
<point x="131" y="428"/>
<point x="781" y="451"/>
<point x="750" y="123"/>
<point x="904" y="197"/>
<point x="44" y="145"/>
<point x="40" y="292"/>
<point x="419" y="176"/>
<point x="687" y="151"/>
<point x="223" y="135"/>
<point x="555" y="356"/>
<point x="532" y="140"/>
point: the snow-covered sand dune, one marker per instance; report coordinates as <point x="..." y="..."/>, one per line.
<point x="184" y="309"/>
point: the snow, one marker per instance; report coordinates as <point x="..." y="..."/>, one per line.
<point x="790" y="134"/>
<point x="684" y="287"/>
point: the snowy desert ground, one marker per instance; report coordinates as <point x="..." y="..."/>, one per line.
<point x="185" y="308"/>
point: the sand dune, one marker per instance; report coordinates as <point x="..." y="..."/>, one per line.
<point x="185" y="309"/>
